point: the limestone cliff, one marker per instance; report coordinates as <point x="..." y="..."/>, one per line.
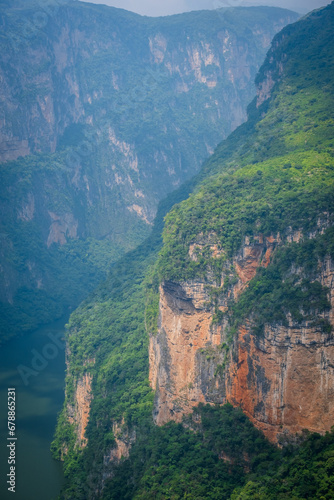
<point x="49" y="77"/>
<point x="283" y="380"/>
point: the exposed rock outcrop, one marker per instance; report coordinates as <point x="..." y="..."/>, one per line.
<point x="61" y="228"/>
<point x="283" y="381"/>
<point x="78" y="413"/>
<point x="123" y="440"/>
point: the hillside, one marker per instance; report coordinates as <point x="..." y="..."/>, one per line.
<point x="103" y="113"/>
<point x="238" y="305"/>
<point x="251" y="252"/>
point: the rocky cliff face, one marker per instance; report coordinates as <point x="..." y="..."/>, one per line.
<point x="281" y="380"/>
<point x="78" y="412"/>
<point x="72" y="74"/>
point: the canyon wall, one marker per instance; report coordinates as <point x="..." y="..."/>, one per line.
<point x="75" y="73"/>
<point x="246" y="268"/>
<point x="282" y="380"/>
<point x="238" y="299"/>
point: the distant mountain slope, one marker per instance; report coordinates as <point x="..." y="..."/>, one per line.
<point x="103" y="112"/>
<point x="239" y="308"/>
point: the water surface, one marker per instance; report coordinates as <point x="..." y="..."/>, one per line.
<point x="35" y="366"/>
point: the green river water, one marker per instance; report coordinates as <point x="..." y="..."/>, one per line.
<point x="34" y="365"/>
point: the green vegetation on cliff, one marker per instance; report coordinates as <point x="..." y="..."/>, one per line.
<point x="225" y="458"/>
<point x="277" y="291"/>
<point x="265" y="198"/>
<point x="305" y="472"/>
<point x="176" y="462"/>
<point x="272" y="175"/>
<point x="278" y="177"/>
<point x="278" y="168"/>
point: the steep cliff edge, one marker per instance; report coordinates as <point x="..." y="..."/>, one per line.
<point x="246" y="294"/>
<point x="282" y="379"/>
<point x="78" y="414"/>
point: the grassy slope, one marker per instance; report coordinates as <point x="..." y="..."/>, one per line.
<point x="277" y="170"/>
<point x="274" y="171"/>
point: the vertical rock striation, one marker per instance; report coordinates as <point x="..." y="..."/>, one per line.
<point x="78" y="412"/>
<point x="283" y="381"/>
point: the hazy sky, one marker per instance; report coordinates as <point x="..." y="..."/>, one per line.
<point x="166" y="7"/>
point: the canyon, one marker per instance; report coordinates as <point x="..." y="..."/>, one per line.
<point x="201" y="364"/>
<point x="226" y="309"/>
<point x="103" y="113"/>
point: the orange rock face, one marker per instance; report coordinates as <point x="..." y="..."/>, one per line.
<point x="184" y="331"/>
<point x="283" y="381"/>
<point x="80" y="413"/>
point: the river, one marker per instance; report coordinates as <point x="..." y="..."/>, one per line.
<point x="33" y="365"/>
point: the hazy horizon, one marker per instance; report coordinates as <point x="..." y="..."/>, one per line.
<point x="162" y="8"/>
